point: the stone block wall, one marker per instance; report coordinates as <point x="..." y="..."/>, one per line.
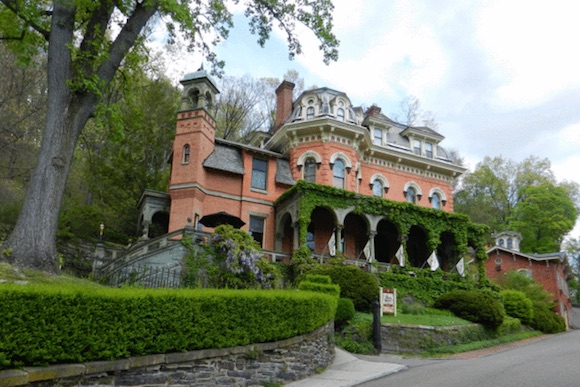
<point x="419" y="338"/>
<point x="251" y="365"/>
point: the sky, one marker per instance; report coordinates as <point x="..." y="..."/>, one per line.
<point x="502" y="78"/>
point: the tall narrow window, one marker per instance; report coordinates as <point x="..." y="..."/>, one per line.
<point x="186" y="154"/>
<point x="500" y="243"/>
<point x="417" y="147"/>
<point x="310" y="112"/>
<point x="510" y="243"/>
<point x="411" y="195"/>
<point x="259" y="173"/>
<point x="377" y="137"/>
<point x="257" y="229"/>
<point x="429" y="150"/>
<point x="340" y="114"/>
<point x="310" y="170"/>
<point x="436" y="201"/>
<point x="338" y="170"/>
<point x="378" y="188"/>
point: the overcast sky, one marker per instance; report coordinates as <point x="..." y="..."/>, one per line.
<point x="501" y="77"/>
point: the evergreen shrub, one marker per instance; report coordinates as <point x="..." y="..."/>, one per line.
<point x="344" y="312"/>
<point x="43" y="325"/>
<point x="474" y="306"/>
<point x="546" y="321"/>
<point x="358" y="285"/>
<point x="331" y="289"/>
<point x="517" y="305"/>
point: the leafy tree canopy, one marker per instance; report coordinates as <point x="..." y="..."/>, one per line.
<point x="86" y="42"/>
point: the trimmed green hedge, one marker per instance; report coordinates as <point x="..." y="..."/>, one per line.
<point x="45" y="325"/>
<point x="474" y="306"/>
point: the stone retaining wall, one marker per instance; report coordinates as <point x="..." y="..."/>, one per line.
<point x="419" y="338"/>
<point x="251" y="365"/>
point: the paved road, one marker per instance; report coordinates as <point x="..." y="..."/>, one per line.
<point x="552" y="361"/>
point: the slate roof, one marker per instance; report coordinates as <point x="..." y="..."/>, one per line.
<point x="283" y="173"/>
<point x="225" y="158"/>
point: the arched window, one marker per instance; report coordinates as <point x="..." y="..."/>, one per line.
<point x="500" y="242"/>
<point x="310" y="112"/>
<point x="186" y="151"/>
<point x="378" y="188"/>
<point x="411" y="195"/>
<point x="436" y="201"/>
<point x="340" y="114"/>
<point x="510" y="243"/>
<point x="310" y="170"/>
<point x="338" y="170"/>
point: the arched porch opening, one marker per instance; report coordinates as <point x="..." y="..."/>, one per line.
<point x="417" y="248"/>
<point x="287" y="234"/>
<point x="387" y="241"/>
<point x="447" y="251"/>
<point x="159" y="224"/>
<point x="356" y="236"/>
<point x="322" y="226"/>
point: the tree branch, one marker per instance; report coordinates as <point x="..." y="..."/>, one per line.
<point x="13" y="6"/>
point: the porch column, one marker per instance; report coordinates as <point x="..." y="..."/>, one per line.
<point x="339" y="241"/>
<point x="371" y="243"/>
<point x="296" y="235"/>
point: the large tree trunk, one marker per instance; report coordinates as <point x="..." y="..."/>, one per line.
<point x="32" y="243"/>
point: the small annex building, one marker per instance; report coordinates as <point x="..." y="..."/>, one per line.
<point x="329" y="175"/>
<point x="549" y="270"/>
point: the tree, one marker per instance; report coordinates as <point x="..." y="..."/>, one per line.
<point x="84" y="54"/>
<point x="544" y="216"/>
<point x="410" y="113"/>
<point x="572" y="248"/>
<point x="489" y="193"/>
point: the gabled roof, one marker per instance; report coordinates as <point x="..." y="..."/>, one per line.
<point x="560" y="255"/>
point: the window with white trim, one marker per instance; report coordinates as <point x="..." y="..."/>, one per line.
<point x="310" y="112"/>
<point x="411" y="195"/>
<point x="338" y="171"/>
<point x="429" y="150"/>
<point x="436" y="201"/>
<point x="310" y="170"/>
<point x="377" y="136"/>
<point x="378" y="188"/>
<point x="340" y="114"/>
<point x="417" y="147"/>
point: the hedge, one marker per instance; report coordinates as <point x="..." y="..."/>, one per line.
<point x="43" y="325"/>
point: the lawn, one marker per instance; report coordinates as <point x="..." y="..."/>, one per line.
<point x="8" y="274"/>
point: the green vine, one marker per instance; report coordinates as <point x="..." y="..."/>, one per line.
<point x="402" y="214"/>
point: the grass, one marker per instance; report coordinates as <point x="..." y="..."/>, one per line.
<point x="432" y="317"/>
<point x="475" y="345"/>
<point x="10" y="274"/>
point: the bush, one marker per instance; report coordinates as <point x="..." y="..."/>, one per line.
<point x="423" y="284"/>
<point x="546" y="321"/>
<point x="509" y="325"/>
<point x="474" y="306"/>
<point x="356" y="284"/>
<point x="331" y="289"/>
<point x="45" y="325"/>
<point x="318" y="278"/>
<point x="517" y="305"/>
<point x="344" y="312"/>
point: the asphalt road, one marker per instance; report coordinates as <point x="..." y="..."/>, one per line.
<point x="553" y="360"/>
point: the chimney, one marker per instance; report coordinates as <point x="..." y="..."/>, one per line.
<point x="373" y="110"/>
<point x="284" y="94"/>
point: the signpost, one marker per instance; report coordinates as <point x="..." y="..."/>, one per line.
<point x="388" y="299"/>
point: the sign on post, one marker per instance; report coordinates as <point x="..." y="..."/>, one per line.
<point x="388" y="299"/>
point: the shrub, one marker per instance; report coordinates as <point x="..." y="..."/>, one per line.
<point x="517" y="305"/>
<point x="474" y="306"/>
<point x="344" y="312"/>
<point x="331" y="289"/>
<point x="509" y="325"/>
<point x="423" y="284"/>
<point x="75" y="325"/>
<point x="318" y="278"/>
<point x="546" y="321"/>
<point x="356" y="284"/>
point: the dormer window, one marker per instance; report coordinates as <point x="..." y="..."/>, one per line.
<point x="377" y="136"/>
<point x="417" y="147"/>
<point x="310" y="112"/>
<point x="429" y="150"/>
<point x="340" y="114"/>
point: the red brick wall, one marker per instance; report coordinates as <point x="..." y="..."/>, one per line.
<point x="544" y="272"/>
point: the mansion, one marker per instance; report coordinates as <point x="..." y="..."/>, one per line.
<point x="333" y="177"/>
